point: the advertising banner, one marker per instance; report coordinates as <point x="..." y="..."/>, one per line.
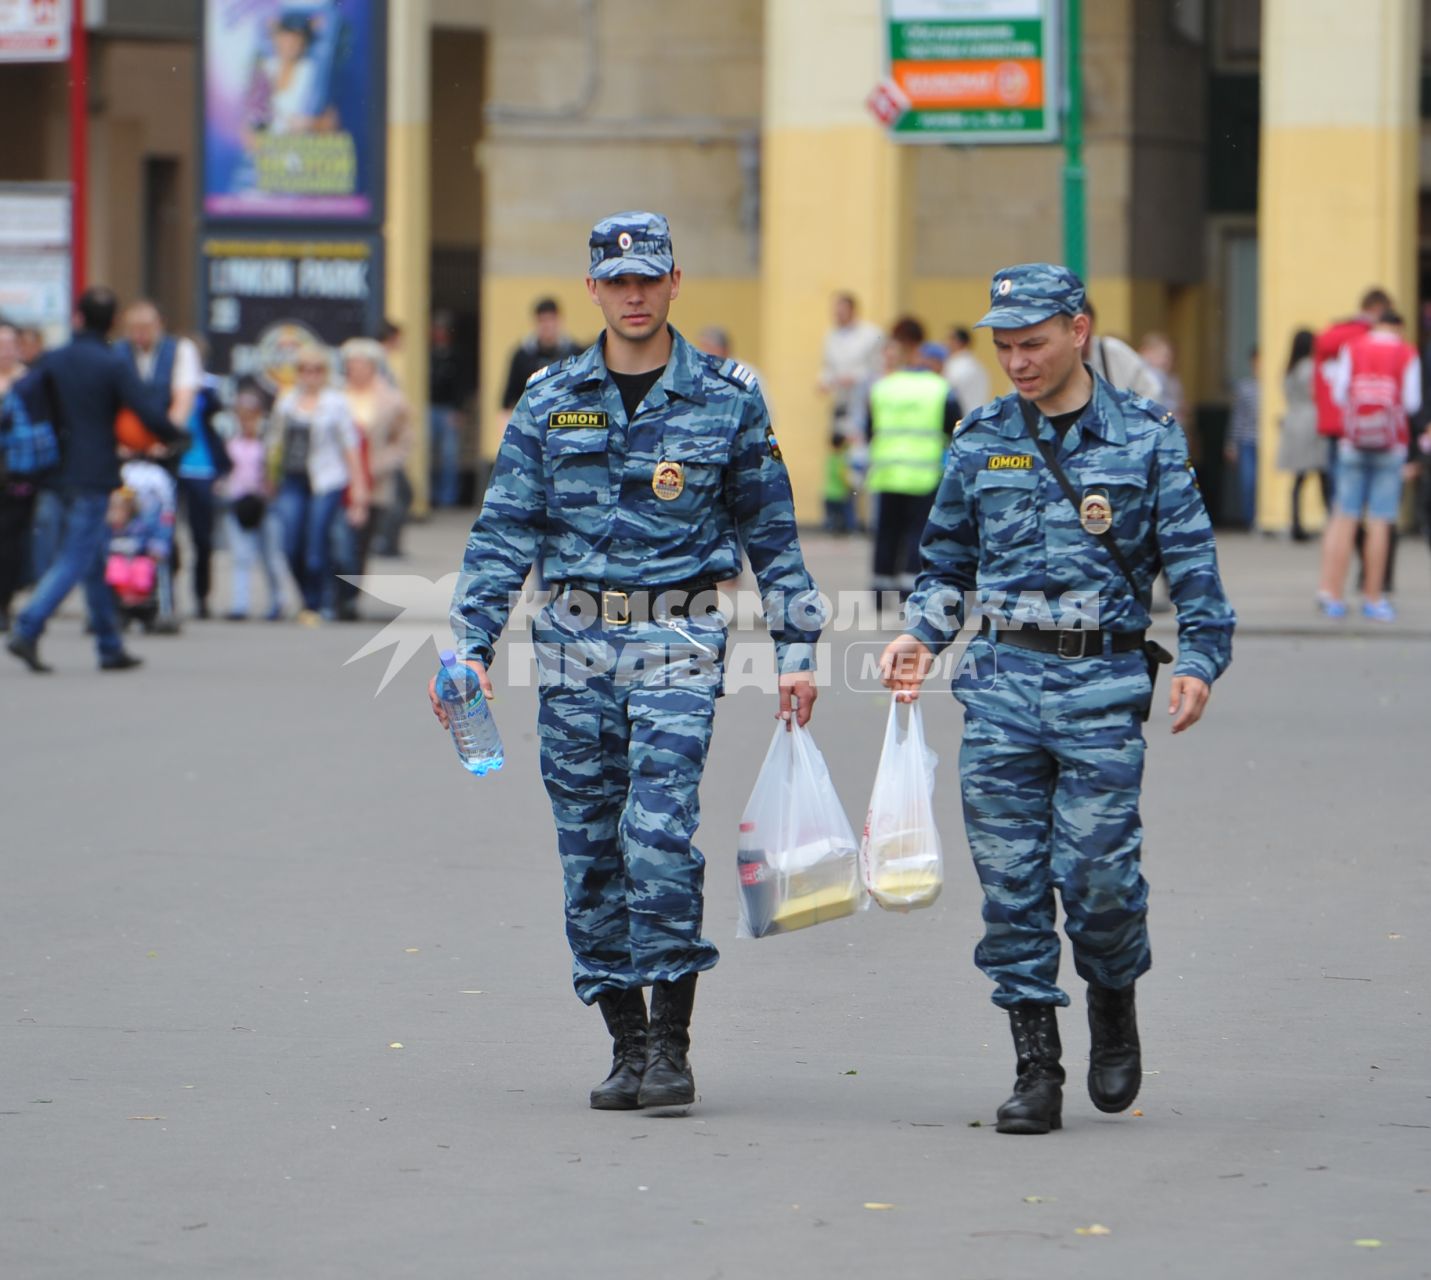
<point x="294" y="107"/>
<point x="34" y="30"/>
<point x="973" y="71"/>
<point x="35" y="257"/>
<point x="263" y="299"/>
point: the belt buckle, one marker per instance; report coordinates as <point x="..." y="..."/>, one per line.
<point x="622" y="602"/>
<point x="1082" y="644"/>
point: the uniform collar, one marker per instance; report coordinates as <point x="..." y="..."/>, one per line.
<point x="683" y="377"/>
<point x="1103" y="417"/>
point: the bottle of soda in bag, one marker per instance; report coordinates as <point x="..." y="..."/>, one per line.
<point x="759" y="889"/>
<point x="469" y="718"/>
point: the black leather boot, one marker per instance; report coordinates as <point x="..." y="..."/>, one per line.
<point x="1115" y="1060"/>
<point x="1037" y="1102"/>
<point x="668" y="1081"/>
<point x="625" y="1014"/>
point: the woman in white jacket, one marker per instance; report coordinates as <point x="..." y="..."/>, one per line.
<point x="316" y="454"/>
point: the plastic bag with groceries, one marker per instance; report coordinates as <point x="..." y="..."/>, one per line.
<point x="797" y="854"/>
<point x="900" y="858"/>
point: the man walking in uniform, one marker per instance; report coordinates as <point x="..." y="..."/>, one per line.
<point x="1059" y="506"/>
<point x="636" y="471"/>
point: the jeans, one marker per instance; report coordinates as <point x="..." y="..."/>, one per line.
<point x="197" y="498"/>
<point x="840" y="515"/>
<point x="83" y="548"/>
<point x="256" y="546"/>
<point x="307" y="520"/>
<point x="445" y="448"/>
<point x="45" y="532"/>
<point x="1247" y="483"/>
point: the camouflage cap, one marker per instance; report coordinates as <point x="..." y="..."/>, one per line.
<point x="1030" y="293"/>
<point x="631" y="244"/>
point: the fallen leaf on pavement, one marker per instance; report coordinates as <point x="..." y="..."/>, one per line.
<point x="396" y="1044"/>
<point x="1097" y="1229"/>
<point x="1038" y="1199"/>
<point x="146" y="1117"/>
<point x="877" y="1204"/>
<point x="1137" y="1113"/>
<point x="1367" y="1244"/>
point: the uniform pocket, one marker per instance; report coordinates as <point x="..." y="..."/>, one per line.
<point x="1125" y="491"/>
<point x="1007" y="502"/>
<point x="577" y="468"/>
<point x="694" y="465"/>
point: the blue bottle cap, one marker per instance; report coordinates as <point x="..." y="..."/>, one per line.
<point x="448" y="658"/>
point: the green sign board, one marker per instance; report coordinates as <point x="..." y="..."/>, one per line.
<point x="971" y="71"/>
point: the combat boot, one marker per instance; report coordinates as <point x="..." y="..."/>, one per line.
<point x="625" y="1014"/>
<point x="668" y="1081"/>
<point x="1037" y="1102"/>
<point x="1115" y="1061"/>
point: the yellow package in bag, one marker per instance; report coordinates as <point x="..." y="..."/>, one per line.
<point x="797" y="852"/>
<point x="901" y="862"/>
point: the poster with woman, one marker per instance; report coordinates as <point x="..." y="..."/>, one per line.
<point x="293" y="99"/>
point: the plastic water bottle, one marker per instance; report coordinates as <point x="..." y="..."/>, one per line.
<point x="469" y="718"/>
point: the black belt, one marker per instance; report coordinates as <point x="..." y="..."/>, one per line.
<point x="620" y="606"/>
<point x="1068" y="643"/>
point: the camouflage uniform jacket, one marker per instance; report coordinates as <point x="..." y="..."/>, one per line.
<point x="573" y="483"/>
<point x="1003" y="529"/>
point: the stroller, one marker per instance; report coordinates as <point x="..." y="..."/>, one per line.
<point x="141" y="546"/>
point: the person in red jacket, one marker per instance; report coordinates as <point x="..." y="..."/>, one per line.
<point x="1376" y="386"/>
<point x="1329" y="344"/>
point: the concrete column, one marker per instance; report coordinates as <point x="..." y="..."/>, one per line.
<point x="836" y="211"/>
<point x="408" y="240"/>
<point x="1338" y="204"/>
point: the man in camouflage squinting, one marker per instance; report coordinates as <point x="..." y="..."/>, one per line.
<point x="636" y="472"/>
<point x="1057" y="687"/>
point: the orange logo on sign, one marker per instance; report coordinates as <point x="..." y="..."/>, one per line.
<point x="971" y="85"/>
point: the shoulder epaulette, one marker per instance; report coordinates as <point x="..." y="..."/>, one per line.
<point x="548" y="369"/>
<point x="733" y="371"/>
<point x="1152" y="408"/>
<point x="982" y="413"/>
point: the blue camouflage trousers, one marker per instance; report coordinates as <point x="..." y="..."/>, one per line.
<point x="625" y="724"/>
<point x="1050" y="769"/>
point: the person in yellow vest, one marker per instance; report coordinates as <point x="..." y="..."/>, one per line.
<point x="912" y="415"/>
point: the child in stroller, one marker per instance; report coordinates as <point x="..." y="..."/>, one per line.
<point x="141" y="520"/>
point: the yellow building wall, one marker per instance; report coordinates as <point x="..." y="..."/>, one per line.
<point x="1339" y="181"/>
<point x="836" y="211"/>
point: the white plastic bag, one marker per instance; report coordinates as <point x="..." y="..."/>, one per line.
<point x="900" y="858"/>
<point x="797" y="855"/>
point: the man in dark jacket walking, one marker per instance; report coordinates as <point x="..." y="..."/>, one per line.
<point x="90" y="384"/>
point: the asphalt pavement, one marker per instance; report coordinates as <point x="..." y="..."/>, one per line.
<point x="285" y="993"/>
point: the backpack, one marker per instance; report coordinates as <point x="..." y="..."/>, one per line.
<point x="1373" y="415"/>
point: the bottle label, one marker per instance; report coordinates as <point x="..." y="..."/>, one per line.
<point x="752" y="873"/>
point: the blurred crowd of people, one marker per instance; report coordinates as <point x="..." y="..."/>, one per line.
<point x="111" y="448"/>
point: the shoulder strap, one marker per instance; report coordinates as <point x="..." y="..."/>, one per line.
<point x="1050" y="457"/>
